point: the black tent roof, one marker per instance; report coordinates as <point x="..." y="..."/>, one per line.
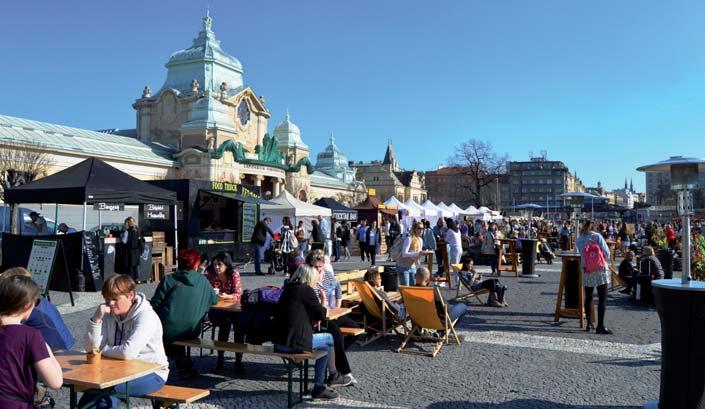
<point x="91" y="181"/>
<point x="340" y="211"/>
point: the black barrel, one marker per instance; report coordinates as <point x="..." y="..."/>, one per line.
<point x="528" y="256"/>
<point x="390" y="281"/>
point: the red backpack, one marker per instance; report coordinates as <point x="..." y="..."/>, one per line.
<point x="593" y="260"/>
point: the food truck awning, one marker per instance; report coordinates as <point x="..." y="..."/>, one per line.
<point x="235" y="196"/>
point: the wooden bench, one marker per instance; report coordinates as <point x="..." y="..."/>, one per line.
<point x="300" y="361"/>
<point x="172" y="396"/>
<point x="345" y="279"/>
<point x="348" y="331"/>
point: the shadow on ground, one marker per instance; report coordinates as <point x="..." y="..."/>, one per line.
<point x="520" y="404"/>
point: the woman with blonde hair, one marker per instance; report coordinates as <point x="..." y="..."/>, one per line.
<point x="594" y="265"/>
<point x="297" y="313"/>
<point x="132" y="248"/>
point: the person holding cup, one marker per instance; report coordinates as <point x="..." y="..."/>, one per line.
<point x="125" y="327"/>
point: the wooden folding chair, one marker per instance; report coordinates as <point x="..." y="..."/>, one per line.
<point x="420" y="303"/>
<point x="462" y="282"/>
<point x="379" y="320"/>
<point x="617" y="281"/>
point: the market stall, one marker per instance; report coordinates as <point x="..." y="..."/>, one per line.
<point x="287" y="205"/>
<point x="373" y="209"/>
<point x="432" y="212"/>
<point x="91" y="182"/>
<point x="212" y="216"/>
<point x="341" y="212"/>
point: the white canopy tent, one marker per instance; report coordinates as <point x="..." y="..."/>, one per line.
<point x="414" y="208"/>
<point x="476" y="214"/>
<point x="457" y="209"/>
<point x="431" y="212"/>
<point x="446" y="211"/>
<point x="393" y="201"/>
<point x="288" y="205"/>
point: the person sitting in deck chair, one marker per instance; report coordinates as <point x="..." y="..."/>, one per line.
<point x="472" y="279"/>
<point x="455" y="310"/>
<point x="374" y="278"/>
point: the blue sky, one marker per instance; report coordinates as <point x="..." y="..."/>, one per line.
<point x="605" y="86"/>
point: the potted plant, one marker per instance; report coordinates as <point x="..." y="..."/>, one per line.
<point x="663" y="252"/>
<point x="697" y="260"/>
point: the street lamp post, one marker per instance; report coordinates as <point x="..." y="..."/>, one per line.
<point x="680" y="303"/>
<point x="577" y="201"/>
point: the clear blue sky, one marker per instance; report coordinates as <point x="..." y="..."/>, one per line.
<point x="605" y="86"/>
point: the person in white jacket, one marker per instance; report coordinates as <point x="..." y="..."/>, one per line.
<point x="126" y="327"/>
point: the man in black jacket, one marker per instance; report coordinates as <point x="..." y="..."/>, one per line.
<point x="259" y="237"/>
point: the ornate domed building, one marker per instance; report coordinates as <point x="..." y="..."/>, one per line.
<point x="204" y="122"/>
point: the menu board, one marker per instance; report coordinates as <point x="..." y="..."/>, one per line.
<point x="156" y="211"/>
<point x="41" y="262"/>
<point x="91" y="263"/>
<point x="249" y="220"/>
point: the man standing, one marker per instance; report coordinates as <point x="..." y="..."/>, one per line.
<point x="259" y="237"/>
<point x="362" y="238"/>
<point x="326" y="230"/>
<point x="336" y="233"/>
<point x="181" y="301"/>
<point x="372" y="241"/>
<point x="439" y="233"/>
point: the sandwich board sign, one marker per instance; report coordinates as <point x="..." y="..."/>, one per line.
<point x="41" y="262"/>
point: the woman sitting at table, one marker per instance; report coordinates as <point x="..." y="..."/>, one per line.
<point x="46" y="318"/>
<point x="23" y="352"/>
<point x="225" y="279"/>
<point x="473" y="279"/>
<point x="126" y="327"/>
<point x="330" y="296"/>
<point x="298" y="312"/>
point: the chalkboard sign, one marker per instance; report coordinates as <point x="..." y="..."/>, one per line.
<point x="156" y="212"/>
<point x="41" y="263"/>
<point x="91" y="264"/>
<point x="109" y="207"/>
<point x="249" y="220"/>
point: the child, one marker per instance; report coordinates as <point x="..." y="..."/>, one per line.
<point x="23" y="352"/>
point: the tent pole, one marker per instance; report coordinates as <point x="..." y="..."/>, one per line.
<point x="176" y="233"/>
<point x="56" y="217"/>
<point x="84" y="216"/>
<point x="100" y="220"/>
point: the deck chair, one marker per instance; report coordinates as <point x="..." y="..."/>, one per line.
<point x="420" y="304"/>
<point x="617" y="281"/>
<point x="379" y="320"/>
<point x="462" y="282"/>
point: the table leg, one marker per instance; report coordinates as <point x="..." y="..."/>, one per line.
<point x="72" y="397"/>
<point x="127" y="394"/>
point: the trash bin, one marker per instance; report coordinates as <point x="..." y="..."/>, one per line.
<point x="681" y="309"/>
<point x="528" y="256"/>
<point x="390" y="280"/>
<point x="665" y="256"/>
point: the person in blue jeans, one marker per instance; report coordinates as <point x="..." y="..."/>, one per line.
<point x="412" y="251"/>
<point x="258" y="240"/>
<point x="297" y="313"/>
<point x="125" y="327"/>
<point x="455" y="310"/>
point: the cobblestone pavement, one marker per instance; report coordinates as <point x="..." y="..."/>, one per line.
<point x="514" y="357"/>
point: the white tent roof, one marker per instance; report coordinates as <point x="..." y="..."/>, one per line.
<point x="484" y="209"/>
<point x="414" y="208"/>
<point x="447" y="212"/>
<point x="457" y="209"/>
<point x="431" y="209"/>
<point x="288" y="205"/>
<point x="393" y="201"/>
<point x="472" y="210"/>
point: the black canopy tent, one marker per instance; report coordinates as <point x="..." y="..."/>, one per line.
<point x="340" y="211"/>
<point x="89" y="182"/>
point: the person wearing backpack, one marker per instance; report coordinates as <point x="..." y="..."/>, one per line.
<point x="593" y="263"/>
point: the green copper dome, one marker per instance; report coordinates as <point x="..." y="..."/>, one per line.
<point x="333" y="162"/>
<point x="204" y="62"/>
<point x="288" y="134"/>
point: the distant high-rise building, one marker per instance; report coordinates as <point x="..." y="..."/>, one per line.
<point x="541" y="181"/>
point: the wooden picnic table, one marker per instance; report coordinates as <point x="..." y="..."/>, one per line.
<point x="236" y="307"/>
<point x="102" y="375"/>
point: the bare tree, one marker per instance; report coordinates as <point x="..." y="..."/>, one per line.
<point x="19" y="165"/>
<point x="481" y="165"/>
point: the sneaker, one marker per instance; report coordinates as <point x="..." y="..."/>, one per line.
<point x="625" y="291"/>
<point x="322" y="392"/>
<point x="351" y="378"/>
<point x="338" y="381"/>
<point x="496" y="303"/>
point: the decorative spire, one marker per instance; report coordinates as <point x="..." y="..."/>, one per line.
<point x="207" y="20"/>
<point x="631" y="185"/>
<point x="331" y="138"/>
<point x="625" y="183"/>
<point x="287" y="117"/>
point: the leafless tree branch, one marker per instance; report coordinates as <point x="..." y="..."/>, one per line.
<point x="20" y="165"/>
